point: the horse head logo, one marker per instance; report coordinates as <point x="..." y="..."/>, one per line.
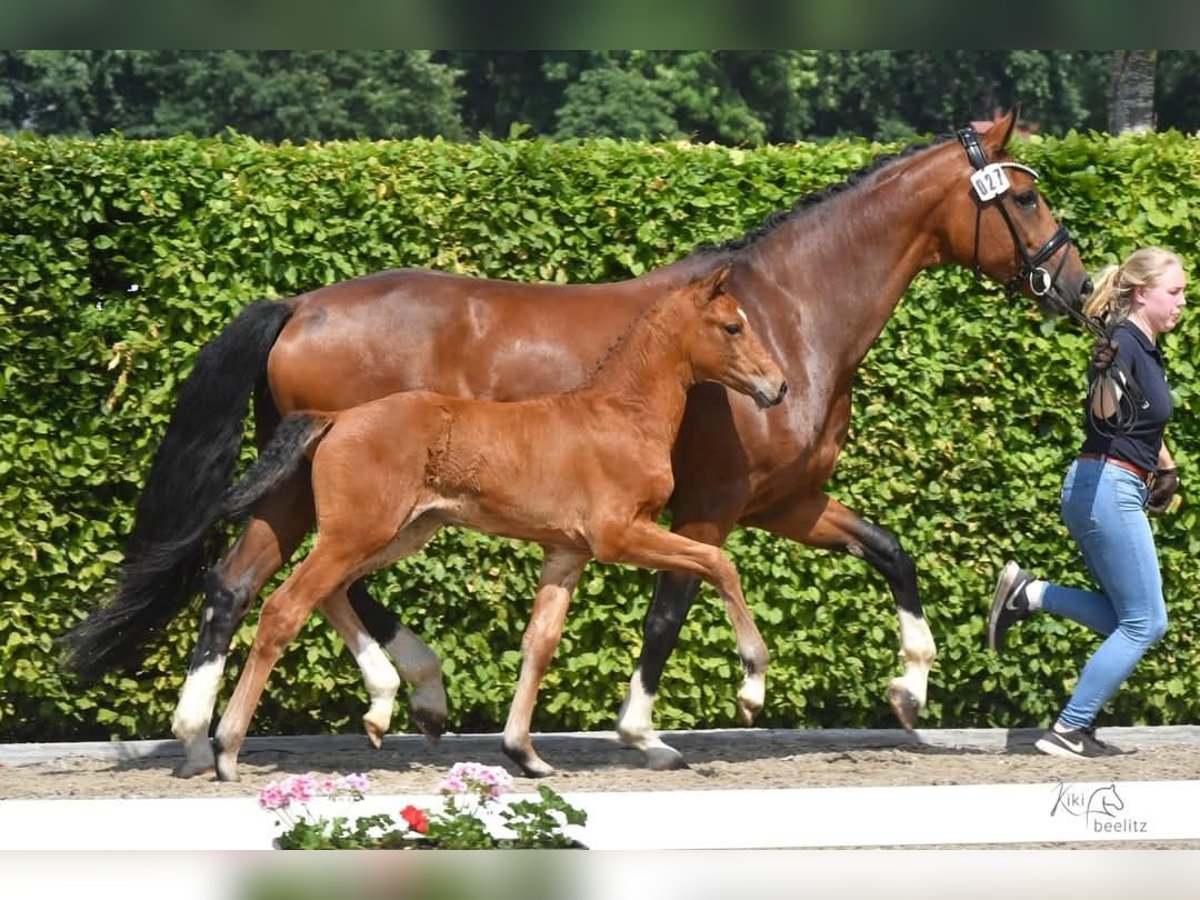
<point x="1105" y="801"/>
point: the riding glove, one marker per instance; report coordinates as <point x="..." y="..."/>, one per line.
<point x="1166" y="483"/>
<point x="1104" y="351"/>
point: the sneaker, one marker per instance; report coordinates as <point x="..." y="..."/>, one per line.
<point x="1009" y="603"/>
<point x="1079" y="743"/>
<point x="1107" y="748"/>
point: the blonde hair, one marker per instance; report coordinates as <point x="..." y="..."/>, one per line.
<point x="1112" y="294"/>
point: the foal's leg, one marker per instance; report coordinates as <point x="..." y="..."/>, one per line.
<point x="674" y="593"/>
<point x="820" y="521"/>
<point x="645" y="544"/>
<point x="419" y="666"/>
<point x="271" y="536"/>
<point x="561" y="569"/>
<point x="321" y="574"/>
<point x="379" y="676"/>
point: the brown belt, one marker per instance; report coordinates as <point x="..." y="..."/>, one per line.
<point x="1146" y="477"/>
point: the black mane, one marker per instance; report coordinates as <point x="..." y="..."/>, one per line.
<point x="775" y="219"/>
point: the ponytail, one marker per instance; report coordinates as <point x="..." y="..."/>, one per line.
<point x="1112" y="293"/>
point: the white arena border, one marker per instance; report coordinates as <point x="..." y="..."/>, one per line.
<point x="874" y="816"/>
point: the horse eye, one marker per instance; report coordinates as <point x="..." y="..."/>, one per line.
<point x="733" y="328"/>
<point x="1027" y="200"/>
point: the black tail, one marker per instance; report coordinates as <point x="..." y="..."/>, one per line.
<point x="169" y="547"/>
<point x="278" y="461"/>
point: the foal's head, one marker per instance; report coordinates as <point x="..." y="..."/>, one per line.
<point x="722" y="346"/>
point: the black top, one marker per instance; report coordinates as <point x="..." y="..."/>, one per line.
<point x="1144" y="362"/>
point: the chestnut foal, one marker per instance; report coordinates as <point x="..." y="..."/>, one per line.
<point x="584" y="473"/>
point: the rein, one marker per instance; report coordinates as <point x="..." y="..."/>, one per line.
<point x="991" y="183"/>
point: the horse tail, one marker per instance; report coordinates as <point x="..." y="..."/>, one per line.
<point x="170" y="544"/>
<point x="278" y="461"/>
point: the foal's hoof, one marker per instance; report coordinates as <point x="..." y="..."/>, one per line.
<point x="375" y="734"/>
<point x="532" y="765"/>
<point x="664" y="759"/>
<point x="432" y="725"/>
<point x="906" y="706"/>
<point x="747" y="711"/>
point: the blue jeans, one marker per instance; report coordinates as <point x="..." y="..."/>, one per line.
<point x="1103" y="507"/>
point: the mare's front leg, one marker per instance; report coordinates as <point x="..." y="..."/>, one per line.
<point x="271" y="536"/>
<point x="561" y="569"/>
<point x="643" y="543"/>
<point x="674" y="593"/>
<point x="820" y="521"/>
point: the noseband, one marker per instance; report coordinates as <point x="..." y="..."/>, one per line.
<point x="991" y="183"/>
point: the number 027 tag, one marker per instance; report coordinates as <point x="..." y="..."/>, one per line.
<point x="990" y="181"/>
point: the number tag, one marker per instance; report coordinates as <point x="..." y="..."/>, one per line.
<point x="990" y="181"/>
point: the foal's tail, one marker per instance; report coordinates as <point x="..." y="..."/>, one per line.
<point x="171" y="545"/>
<point x="278" y="461"/>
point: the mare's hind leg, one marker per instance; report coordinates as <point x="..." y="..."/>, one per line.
<point x="820" y="521"/>
<point x="674" y="593"/>
<point x="561" y="569"/>
<point x="271" y="536"/>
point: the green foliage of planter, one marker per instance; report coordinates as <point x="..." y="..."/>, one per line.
<point x="119" y="259"/>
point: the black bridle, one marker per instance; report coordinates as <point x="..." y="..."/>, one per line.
<point x="1032" y="270"/>
<point x="1043" y="284"/>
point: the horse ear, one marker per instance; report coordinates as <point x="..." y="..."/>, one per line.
<point x="714" y="283"/>
<point x="996" y="137"/>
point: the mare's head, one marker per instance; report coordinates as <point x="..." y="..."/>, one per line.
<point x="997" y="222"/>
<point x="721" y="345"/>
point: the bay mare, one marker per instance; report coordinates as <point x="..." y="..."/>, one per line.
<point x="818" y="284"/>
<point x="585" y="473"/>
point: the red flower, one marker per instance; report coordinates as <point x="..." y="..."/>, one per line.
<point x="416" y="819"/>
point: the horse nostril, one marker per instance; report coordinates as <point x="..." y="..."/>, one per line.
<point x="782" y="390"/>
<point x="1085" y="289"/>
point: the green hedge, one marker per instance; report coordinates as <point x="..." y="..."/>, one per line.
<point x="119" y="259"/>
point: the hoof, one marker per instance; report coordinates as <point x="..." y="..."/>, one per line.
<point x="536" y="769"/>
<point x="531" y="765"/>
<point x="227" y="772"/>
<point x="198" y="759"/>
<point x="905" y="705"/>
<point x="432" y="725"/>
<point x="188" y="769"/>
<point x="747" y="711"/>
<point x="374" y="733"/>
<point x="664" y="759"/>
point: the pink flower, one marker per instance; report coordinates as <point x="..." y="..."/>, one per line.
<point x="273" y="797"/>
<point x="357" y="783"/>
<point x="476" y="778"/>
<point x="301" y="788"/>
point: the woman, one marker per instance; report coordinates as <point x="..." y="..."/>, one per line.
<point x="1118" y="476"/>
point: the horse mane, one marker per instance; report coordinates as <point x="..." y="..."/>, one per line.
<point x="808" y="201"/>
<point x="618" y="341"/>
